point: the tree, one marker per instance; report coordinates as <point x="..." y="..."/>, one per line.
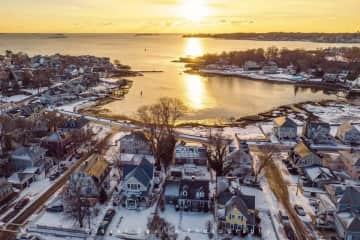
<point x="217" y="150"/>
<point x="76" y="206"/>
<point x="264" y="160"/>
<point x="159" y="121"/>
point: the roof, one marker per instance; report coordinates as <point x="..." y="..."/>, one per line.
<point x="315" y="173"/>
<point x="302" y="150"/>
<point x="353" y="157"/>
<point x="284" y="121"/>
<point x="96" y="168"/>
<point x="143" y="172"/>
<point x="241" y="204"/>
<point x="190" y="151"/>
<point x="195" y="185"/>
<point x="350" y="221"/>
<point x="138" y="135"/>
<point x="27" y="153"/>
<point x="350" y="197"/>
<point x="77" y="123"/>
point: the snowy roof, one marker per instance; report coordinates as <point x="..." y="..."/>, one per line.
<point x="143" y="172"/>
<point x="315" y="173"/>
<point x="190" y="151"/>
<point x="349" y="220"/>
<point x="284" y="121"/>
<point x="172" y="189"/>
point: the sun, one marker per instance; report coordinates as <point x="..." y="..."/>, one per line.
<point x="194" y="10"/>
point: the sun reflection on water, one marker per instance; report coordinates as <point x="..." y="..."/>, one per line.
<point x="196" y="93"/>
<point x="193" y="47"/>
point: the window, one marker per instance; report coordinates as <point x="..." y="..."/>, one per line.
<point x="128" y="186"/>
<point x="185" y="193"/>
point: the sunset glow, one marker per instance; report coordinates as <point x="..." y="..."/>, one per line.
<point x="179" y="16"/>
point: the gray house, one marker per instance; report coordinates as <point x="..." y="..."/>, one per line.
<point x="347" y="225"/>
<point x="238" y="163"/>
<point x="135" y="143"/>
<point x="349" y="134"/>
<point x="285" y="128"/>
<point x="350" y="200"/>
<point x="138" y="181"/>
<point x="27" y="157"/>
<point x="317" y="131"/>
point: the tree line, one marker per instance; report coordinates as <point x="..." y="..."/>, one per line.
<point x="324" y="60"/>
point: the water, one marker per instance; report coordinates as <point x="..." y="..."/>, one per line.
<point x="209" y="98"/>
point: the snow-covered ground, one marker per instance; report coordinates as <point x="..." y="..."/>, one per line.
<point x="335" y="113"/>
<point x="191" y="224"/>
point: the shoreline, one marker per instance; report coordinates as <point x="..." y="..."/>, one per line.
<point x="268" y="79"/>
<point x="266" y="116"/>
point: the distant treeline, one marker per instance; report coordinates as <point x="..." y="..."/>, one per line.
<point x="333" y="60"/>
<point x="287" y="36"/>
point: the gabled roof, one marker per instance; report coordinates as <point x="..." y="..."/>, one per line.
<point x="350" y="197"/>
<point x="284" y="121"/>
<point x="143" y="172"/>
<point x="241" y="204"/>
<point x="194" y="186"/>
<point x="302" y="150"/>
<point x="97" y="168"/>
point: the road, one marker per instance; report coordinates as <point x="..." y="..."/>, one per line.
<point x="10" y="230"/>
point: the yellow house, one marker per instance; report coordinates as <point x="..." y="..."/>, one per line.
<point x="239" y="214"/>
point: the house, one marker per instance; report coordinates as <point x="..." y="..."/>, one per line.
<point x="23" y="178"/>
<point x="270" y="68"/>
<point x="285" y="128"/>
<point x="194" y="195"/>
<point x="319" y="176"/>
<point x="303" y="156"/>
<point x="347" y="225"/>
<point x="90" y="180"/>
<point x="6" y="190"/>
<point x="330" y="77"/>
<point x="59" y="144"/>
<point x="349" y="200"/>
<point x="351" y="161"/>
<point x="99" y="170"/>
<point x="135" y="143"/>
<point x="349" y="134"/>
<point x="138" y="184"/>
<point x="317" y="131"/>
<point x="191" y="154"/>
<point x="239" y="164"/>
<point x="72" y="124"/>
<point x="188" y="187"/>
<point x="27" y="157"/>
<point x="239" y="214"/>
<point x="251" y="66"/>
<point x="86" y="185"/>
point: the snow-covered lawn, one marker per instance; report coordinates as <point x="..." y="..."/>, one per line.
<point x="15" y="98"/>
<point x="191" y="224"/>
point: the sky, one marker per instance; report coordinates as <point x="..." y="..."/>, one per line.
<point x="178" y="16"/>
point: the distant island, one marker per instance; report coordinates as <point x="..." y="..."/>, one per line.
<point x="286" y="36"/>
<point x="146" y="34"/>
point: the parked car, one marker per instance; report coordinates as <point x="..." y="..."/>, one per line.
<point x="110" y="213"/>
<point x="57" y="208"/>
<point x="284" y="219"/>
<point x="21" y="204"/>
<point x="299" y="210"/>
<point x="54" y="176"/>
<point x="102" y="228"/>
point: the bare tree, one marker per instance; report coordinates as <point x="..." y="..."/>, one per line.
<point x="76" y="206"/>
<point x="159" y="121"/>
<point x="264" y="159"/>
<point x="217" y="150"/>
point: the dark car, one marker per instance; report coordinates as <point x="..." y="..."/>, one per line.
<point x="57" y="208"/>
<point x="21" y="204"/>
<point x="54" y="176"/>
<point x="299" y="210"/>
<point x="102" y="228"/>
<point x="110" y="213"/>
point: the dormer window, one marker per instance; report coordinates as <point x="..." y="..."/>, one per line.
<point x="185" y="193"/>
